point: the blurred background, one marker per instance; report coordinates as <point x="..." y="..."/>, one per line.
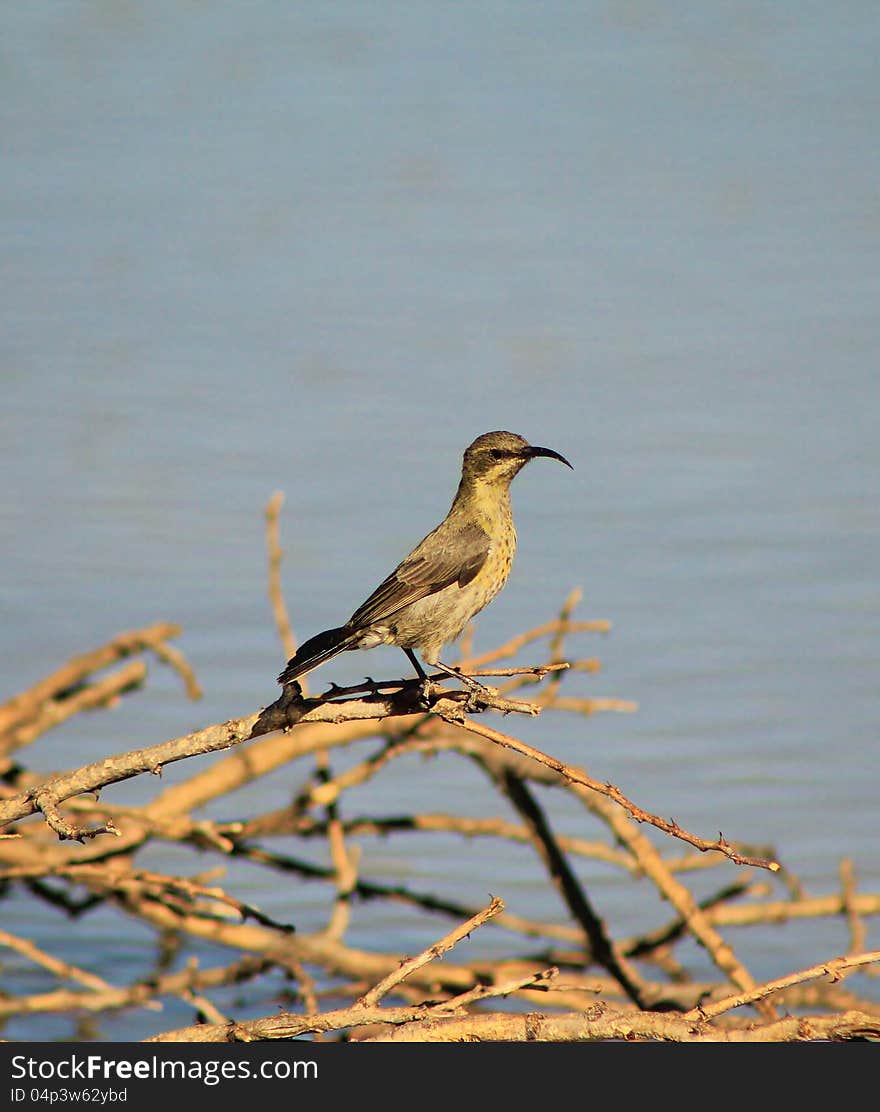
<point x="320" y="248"/>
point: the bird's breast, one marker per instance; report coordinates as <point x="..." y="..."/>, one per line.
<point x="493" y="574"/>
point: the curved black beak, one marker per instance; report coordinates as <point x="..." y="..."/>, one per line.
<point x="549" y="453"/>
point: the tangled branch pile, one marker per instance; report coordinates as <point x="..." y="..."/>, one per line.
<point x="568" y="980"/>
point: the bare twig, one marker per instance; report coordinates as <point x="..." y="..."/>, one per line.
<point x="601" y="948"/>
<point x="576" y="776"/>
<point x="142" y="994"/>
<point x="276" y="594"/>
<point x="512" y="646"/>
<point x="437" y="950"/>
<point x="61" y="969"/>
<point x="104" y="692"/>
<point x="600" y="1024"/>
<point x="28" y="704"/>
<point x="848" y="894"/>
<point x="833" y="969"/>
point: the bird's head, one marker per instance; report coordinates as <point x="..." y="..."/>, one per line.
<point x="496" y="458"/>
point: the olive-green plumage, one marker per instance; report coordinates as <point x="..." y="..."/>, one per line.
<point x="449" y="577"/>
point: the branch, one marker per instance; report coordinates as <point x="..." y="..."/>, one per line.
<point x="104" y="692"/>
<point x="276" y="594"/>
<point x="832" y="969"/>
<point x="61" y="969"/>
<point x="437" y="950"/>
<point x="556" y="626"/>
<point x="576" y="776"/>
<point x="600" y="1024"/>
<point x="142" y="994"/>
<point x="27" y="705"/>
<point x="601" y="948"/>
<point x="211" y="739"/>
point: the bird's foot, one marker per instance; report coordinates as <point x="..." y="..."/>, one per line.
<point x="477" y="696"/>
<point x="476" y="699"/>
<point x="425" y="692"/>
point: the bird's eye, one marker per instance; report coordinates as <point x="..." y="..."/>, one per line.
<point x="497" y="453"/>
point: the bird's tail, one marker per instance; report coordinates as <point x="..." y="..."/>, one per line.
<point x="316" y="650"/>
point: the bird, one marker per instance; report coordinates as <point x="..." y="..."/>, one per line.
<point x="456" y="570"/>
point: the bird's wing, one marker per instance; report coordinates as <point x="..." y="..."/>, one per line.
<point x="429" y="568"/>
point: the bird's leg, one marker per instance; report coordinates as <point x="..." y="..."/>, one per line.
<point x="467" y="680"/>
<point x="414" y="660"/>
<point x="424" y="682"/>
<point x="474" y="686"/>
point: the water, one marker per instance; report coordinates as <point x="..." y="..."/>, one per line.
<point x="320" y="248"/>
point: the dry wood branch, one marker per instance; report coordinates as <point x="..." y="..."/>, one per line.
<point x="345" y="861"/>
<point x="61" y="969"/>
<point x="658" y="941"/>
<point x="285" y="713"/>
<point x="172" y="656"/>
<point x="437" y="950"/>
<point x="93" y="777"/>
<point x="536" y="671"/>
<point x="434" y="1023"/>
<point x="236" y="935"/>
<point x="600" y="946"/>
<point x="190" y="896"/>
<point x="782" y="911"/>
<point x="289" y="1026"/>
<point x="65" y="830"/>
<point x="833" y="969"/>
<point x="644" y="992"/>
<point x="542" y="979"/>
<point x="576" y="776"/>
<point x="142" y="994"/>
<point x="628" y="833"/>
<point x="344" y="858"/>
<point x="259" y="758"/>
<point x="395" y="893"/>
<point x="669" y="886"/>
<point x="828" y="996"/>
<point x="212" y="739"/>
<point x="557" y="642"/>
<point x="27" y="705"/>
<point x="104" y="692"/>
<point x="288" y="950"/>
<point x="365" y="1011"/>
<point x="600" y="1024"/>
<point x="848" y="892"/>
<point x="288" y="820"/>
<point x="276" y="593"/>
<point x="591" y="706"/>
<point x="552" y="628"/>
